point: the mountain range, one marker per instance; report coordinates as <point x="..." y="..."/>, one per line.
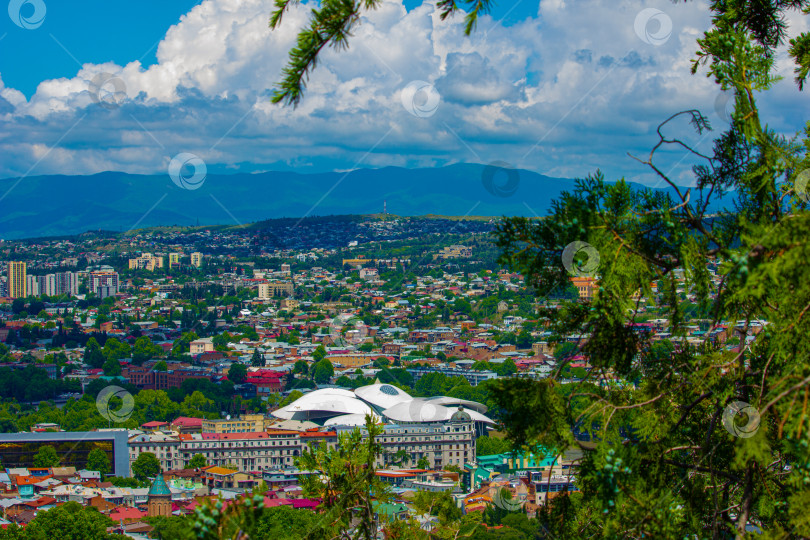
<point x="56" y="205"/>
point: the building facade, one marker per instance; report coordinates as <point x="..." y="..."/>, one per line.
<point x="16" y="279"/>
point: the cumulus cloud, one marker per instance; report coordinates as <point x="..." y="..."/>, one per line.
<point x="563" y="93"/>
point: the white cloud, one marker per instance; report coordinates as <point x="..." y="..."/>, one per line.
<point x="562" y="94"/>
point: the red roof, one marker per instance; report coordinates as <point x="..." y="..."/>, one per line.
<point x="154" y="423"/>
<point x="126" y="513"/>
<point x="186" y="421"/>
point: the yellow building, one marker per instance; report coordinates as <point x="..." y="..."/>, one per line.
<point x="247" y="423"/>
<point x="586" y="287"/>
<point x="174" y="259"/>
<point x="146" y="262"/>
<point x="16" y="279"/>
<point x="196" y="259"/>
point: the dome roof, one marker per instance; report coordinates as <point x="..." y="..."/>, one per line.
<point x="461" y="415"/>
<point x="382" y="395"/>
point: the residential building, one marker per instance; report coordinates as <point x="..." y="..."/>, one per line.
<point x="103" y="283"/>
<point x="196" y="259"/>
<point x="474" y="377"/>
<point x="146" y="262"/>
<point x="199" y="346"/>
<point x="270" y="290"/>
<point x="16" y="279"/>
<point x="174" y="259"/>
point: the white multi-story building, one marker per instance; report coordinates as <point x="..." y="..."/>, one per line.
<point x="441" y="443"/>
<point x="256" y="451"/>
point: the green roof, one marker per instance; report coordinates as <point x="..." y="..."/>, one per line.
<point x="159" y="487"/>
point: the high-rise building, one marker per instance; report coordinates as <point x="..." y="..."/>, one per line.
<point x="32" y="286"/>
<point x="196" y="259"/>
<point x="67" y="283"/>
<point x="174" y="259"/>
<point x="103" y="284"/>
<point x="16" y="279"/>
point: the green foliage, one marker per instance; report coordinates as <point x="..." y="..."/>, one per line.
<point x="197" y="461"/>
<point x="488" y="446"/>
<point x="97" y="460"/>
<point x="70" y="521"/>
<point x="348" y="480"/>
<point x="145" y="466"/>
<point x="237" y="373"/>
<point x="257" y="360"/>
<point x="323" y="371"/>
<point x="658" y="461"/>
<point x="46" y="457"/>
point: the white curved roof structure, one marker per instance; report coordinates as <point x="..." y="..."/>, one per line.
<point x="353" y="420"/>
<point x="382" y="395"/>
<point x="338" y="407"/>
<point x="455" y="402"/>
<point x="427" y="410"/>
<point x="324" y="403"/>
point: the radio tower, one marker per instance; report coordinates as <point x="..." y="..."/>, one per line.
<point x="384" y="212"/>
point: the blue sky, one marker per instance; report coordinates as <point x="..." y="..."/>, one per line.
<point x="559" y="87"/>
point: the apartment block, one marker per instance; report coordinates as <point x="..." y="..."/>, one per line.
<point x="146" y="261"/>
<point x="16" y="279"/>
<point x="271" y="290"/>
<point x="196" y="259"/>
<point x="103" y="283"/>
<point x="174" y="259"/>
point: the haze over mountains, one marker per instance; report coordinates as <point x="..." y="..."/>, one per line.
<point x="59" y="205"/>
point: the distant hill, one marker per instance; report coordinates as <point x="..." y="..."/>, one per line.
<point x="58" y="205"/>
